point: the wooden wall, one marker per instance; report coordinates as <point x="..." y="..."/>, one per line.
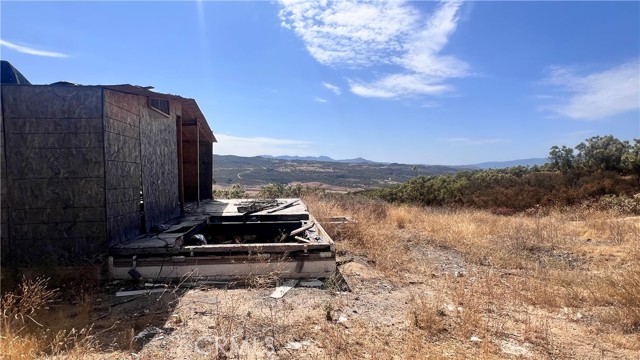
<point x="4" y="205"/>
<point x="77" y="158"/>
<point x="190" y="170"/>
<point x="191" y="174"/>
<point x="206" y="170"/>
<point x="123" y="165"/>
<point x="54" y="173"/>
<point x="159" y="163"/>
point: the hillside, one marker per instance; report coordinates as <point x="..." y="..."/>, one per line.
<point x="259" y="170"/>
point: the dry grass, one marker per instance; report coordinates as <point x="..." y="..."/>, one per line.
<point x="428" y="283"/>
<point x="28" y="330"/>
<point x="582" y="262"/>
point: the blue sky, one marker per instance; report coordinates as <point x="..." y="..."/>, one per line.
<point x="410" y="82"/>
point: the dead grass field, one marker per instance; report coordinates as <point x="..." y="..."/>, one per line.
<point x="426" y="283"/>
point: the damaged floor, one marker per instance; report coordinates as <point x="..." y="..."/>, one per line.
<point x="229" y="240"/>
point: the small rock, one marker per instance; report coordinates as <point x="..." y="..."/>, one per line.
<point x="297" y="345"/>
<point x="514" y="349"/>
<point x="475" y="339"/>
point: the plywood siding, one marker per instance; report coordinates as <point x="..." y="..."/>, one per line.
<point x="190" y="170"/>
<point x="53" y="147"/>
<point x="159" y="164"/>
<point x="123" y="165"/>
<point x="4" y="206"/>
<point x="206" y="170"/>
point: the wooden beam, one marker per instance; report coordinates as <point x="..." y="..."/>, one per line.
<point x="180" y="165"/>
<point x="256" y="248"/>
<point x="198" y="159"/>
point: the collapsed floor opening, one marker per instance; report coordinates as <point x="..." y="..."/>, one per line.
<point x="230" y="240"/>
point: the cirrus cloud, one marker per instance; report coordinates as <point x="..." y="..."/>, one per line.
<point x="597" y="95"/>
<point x="356" y="34"/>
<point x="31" y="51"/>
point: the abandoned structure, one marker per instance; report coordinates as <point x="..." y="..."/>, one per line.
<point x="88" y="167"/>
<point x="122" y="175"/>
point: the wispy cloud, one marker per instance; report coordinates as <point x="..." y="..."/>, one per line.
<point x="333" y="88"/>
<point x="320" y="100"/>
<point x="470" y="141"/>
<point x="364" y="34"/>
<point x="597" y="95"/>
<point x="254" y="146"/>
<point x="31" y="51"/>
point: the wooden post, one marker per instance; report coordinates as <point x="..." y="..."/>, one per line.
<point x="180" y="164"/>
<point x="198" y="157"/>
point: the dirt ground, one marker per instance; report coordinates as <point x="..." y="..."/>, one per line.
<point x="420" y="284"/>
<point x="373" y="319"/>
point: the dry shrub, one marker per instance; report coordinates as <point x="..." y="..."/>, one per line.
<point x="429" y="314"/>
<point x="373" y="234"/>
<point x="25" y="333"/>
<point x="619" y="290"/>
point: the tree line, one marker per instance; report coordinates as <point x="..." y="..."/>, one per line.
<point x="598" y="166"/>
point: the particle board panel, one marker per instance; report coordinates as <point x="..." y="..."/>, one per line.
<point x="55" y="172"/>
<point x="123" y="165"/>
<point x="56" y="193"/>
<point x="159" y="164"/>
<point x="39" y="163"/>
<point x="122" y="195"/>
<point x="68" y="140"/>
<point x="51" y="102"/>
<point x="121" y="114"/>
<point x="122" y="148"/>
<point x="51" y="125"/>
<point x="121" y="100"/>
<point x="4" y="206"/>
<point x="123" y="175"/>
<point x="124" y="129"/>
<point x="57" y="215"/>
<point x="67" y="251"/>
<point x="124" y="208"/>
<point x="122" y="228"/>
<point x="59" y="230"/>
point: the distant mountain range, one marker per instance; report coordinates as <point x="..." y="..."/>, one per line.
<point x="357" y="160"/>
<point x="355" y="173"/>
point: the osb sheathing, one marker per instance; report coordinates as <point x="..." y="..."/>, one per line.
<point x="4" y="210"/>
<point x="158" y="142"/>
<point x="54" y="173"/>
<point x="123" y="165"/>
<point x="77" y="158"/>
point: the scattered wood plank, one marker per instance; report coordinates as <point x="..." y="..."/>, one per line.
<point x="283" y="206"/>
<point x="311" y="283"/>
<point x="139" y="292"/>
<point x="282" y="289"/>
<point x="301" y="239"/>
